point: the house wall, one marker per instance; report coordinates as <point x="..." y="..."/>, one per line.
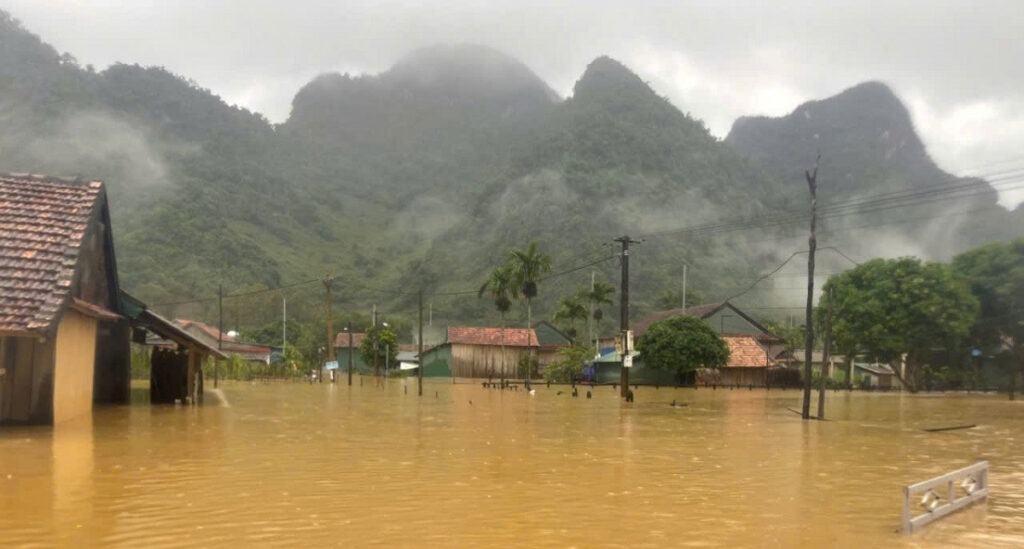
<point x="74" y="366"/>
<point x="27" y="380"/>
<point x="484" y="360"/>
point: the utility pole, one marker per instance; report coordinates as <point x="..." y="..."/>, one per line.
<point x="590" y="319"/>
<point x="684" y="287"/>
<point x="220" y="330"/>
<point x="825" y="367"/>
<point x="349" y="330"/>
<point x="419" y="352"/>
<point x="328" y="282"/>
<point x="812" y="243"/>
<point x="284" y="324"/>
<point x="624" y="311"/>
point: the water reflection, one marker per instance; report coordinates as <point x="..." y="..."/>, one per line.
<point x="289" y="464"/>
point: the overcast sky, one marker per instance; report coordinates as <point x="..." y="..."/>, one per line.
<point x="959" y="66"/>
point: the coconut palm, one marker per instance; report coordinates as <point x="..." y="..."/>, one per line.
<point x="500" y="287"/>
<point x="527" y="267"/>
<point x="598" y="296"/>
<point x="571" y="309"/>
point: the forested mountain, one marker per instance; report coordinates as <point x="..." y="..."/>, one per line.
<point x="427" y="174"/>
<point x="871" y="154"/>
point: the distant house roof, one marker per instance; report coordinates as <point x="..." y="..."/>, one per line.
<point x="43" y="224"/>
<point x="877" y="369"/>
<point x="512" y="337"/>
<point x="746" y="352"/>
<point x="228" y="343"/>
<point x="209" y="330"/>
<point x="700" y="311"/>
<point x="341" y="340"/>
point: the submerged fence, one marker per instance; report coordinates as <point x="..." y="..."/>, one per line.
<point x="944" y="494"/>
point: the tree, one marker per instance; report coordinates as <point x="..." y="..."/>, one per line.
<point x="898" y="311"/>
<point x="380" y="346"/>
<point x="500" y="286"/>
<point x="600" y="294"/>
<point x="569" y="365"/>
<point x="684" y="344"/>
<point x="527" y="267"/>
<point x="673" y="299"/>
<point x="570" y="309"/>
<point x="996" y="276"/>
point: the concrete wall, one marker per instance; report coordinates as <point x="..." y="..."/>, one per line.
<point x="74" y="366"/>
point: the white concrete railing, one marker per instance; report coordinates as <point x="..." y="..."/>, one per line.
<point x="945" y="494"/>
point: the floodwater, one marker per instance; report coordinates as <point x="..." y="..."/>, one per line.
<point x="291" y="464"/>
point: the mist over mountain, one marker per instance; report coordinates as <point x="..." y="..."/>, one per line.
<point x="427" y="174"/>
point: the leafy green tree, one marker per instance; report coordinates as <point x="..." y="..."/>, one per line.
<point x="527" y="267"/>
<point x="570" y="309"/>
<point x="899" y="311"/>
<point x="683" y="344"/>
<point x="996" y="276"/>
<point x="673" y="299"/>
<point x="500" y="287"/>
<point x="599" y="296"/>
<point x="569" y="365"/>
<point x="380" y="346"/>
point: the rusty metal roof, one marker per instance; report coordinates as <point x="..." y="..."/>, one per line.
<point x="43" y="222"/>
<point x="512" y="337"/>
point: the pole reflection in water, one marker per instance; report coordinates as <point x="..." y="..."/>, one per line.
<point x="293" y="464"/>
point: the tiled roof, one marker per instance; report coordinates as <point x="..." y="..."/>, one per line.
<point x="513" y="337"/>
<point x="746" y="352"/>
<point x="341" y="340"/>
<point x="214" y="333"/>
<point x="699" y="311"/>
<point x="42" y="226"/>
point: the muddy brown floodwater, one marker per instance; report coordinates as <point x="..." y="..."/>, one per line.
<point x="291" y="464"/>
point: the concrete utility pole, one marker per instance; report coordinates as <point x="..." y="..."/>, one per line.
<point x="684" y="287"/>
<point x="812" y="243"/>
<point x="419" y="352"/>
<point x="220" y="330"/>
<point x="825" y="367"/>
<point x="349" y="330"/>
<point x="328" y="282"/>
<point x="624" y="312"/>
<point x="590" y="319"/>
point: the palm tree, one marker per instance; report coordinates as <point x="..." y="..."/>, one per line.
<point x="527" y="267"/>
<point x="599" y="295"/>
<point x="571" y="309"/>
<point x="499" y="285"/>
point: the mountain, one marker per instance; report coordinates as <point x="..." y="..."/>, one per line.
<point x="427" y="174"/>
<point x="871" y="152"/>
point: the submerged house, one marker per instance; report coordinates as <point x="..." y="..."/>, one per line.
<point x="480" y="352"/>
<point x="346" y="347"/>
<point x="226" y="342"/>
<point x="751" y="348"/>
<point x="64" y="343"/>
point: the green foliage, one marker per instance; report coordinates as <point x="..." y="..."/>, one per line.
<point x="500" y="287"/>
<point x="682" y="344"/>
<point x="569" y="366"/>
<point x="793" y="335"/>
<point x="527" y="266"/>
<point x="888" y="308"/>
<point x="673" y="299"/>
<point x="570" y="309"/>
<point x="527" y="366"/>
<point x="996" y="275"/>
<point x="379" y="347"/>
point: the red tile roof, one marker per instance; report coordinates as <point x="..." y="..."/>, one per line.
<point x="746" y="352"/>
<point x="513" y="337"/>
<point x="43" y="222"/>
<point x="341" y="340"/>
